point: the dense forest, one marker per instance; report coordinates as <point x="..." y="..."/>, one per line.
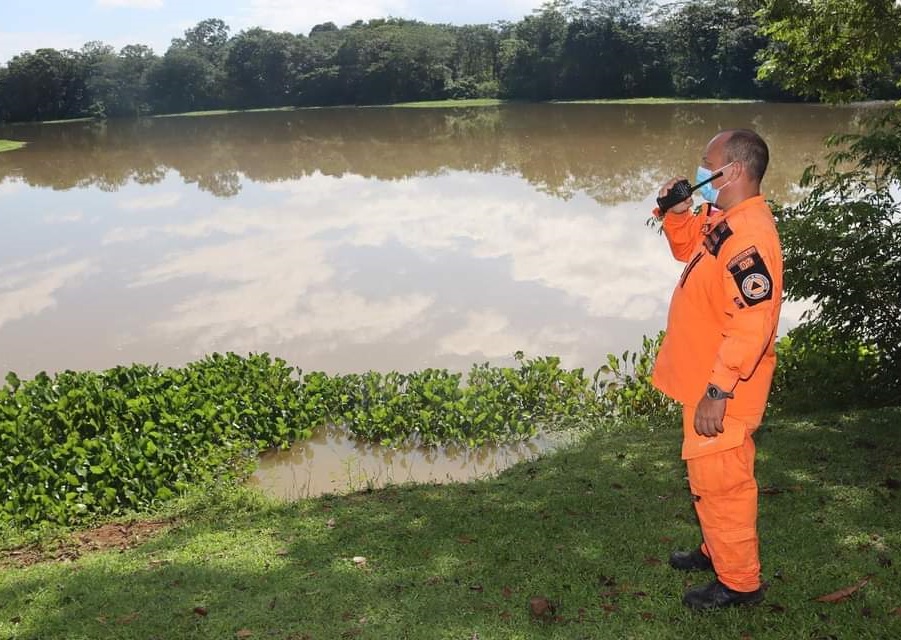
<point x="563" y="50"/>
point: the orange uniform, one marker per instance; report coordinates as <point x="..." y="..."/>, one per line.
<point x="721" y="330"/>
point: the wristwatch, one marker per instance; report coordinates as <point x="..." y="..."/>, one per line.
<point x="715" y="393"/>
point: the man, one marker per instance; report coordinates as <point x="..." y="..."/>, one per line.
<point x="718" y="357"/>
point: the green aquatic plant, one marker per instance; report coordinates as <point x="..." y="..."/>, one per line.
<point x="80" y="444"/>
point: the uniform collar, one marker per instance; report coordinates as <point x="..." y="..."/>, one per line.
<point x="717" y="216"/>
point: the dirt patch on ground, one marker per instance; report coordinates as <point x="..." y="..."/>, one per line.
<point x="103" y="538"/>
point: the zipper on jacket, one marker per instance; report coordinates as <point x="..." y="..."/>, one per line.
<point x="691" y="265"/>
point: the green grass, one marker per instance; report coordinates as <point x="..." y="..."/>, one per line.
<point x="657" y="101"/>
<point x="10" y="145"/>
<point x="589" y="527"/>
<point x="443" y="104"/>
<point x="61" y="121"/>
<point x="221" y="112"/>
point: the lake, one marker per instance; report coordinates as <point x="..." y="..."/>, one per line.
<point x="353" y="239"/>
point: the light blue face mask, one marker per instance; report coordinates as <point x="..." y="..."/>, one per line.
<point x="708" y="191"/>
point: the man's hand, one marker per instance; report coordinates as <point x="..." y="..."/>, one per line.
<point x="709" y="417"/>
<point x="683" y="206"/>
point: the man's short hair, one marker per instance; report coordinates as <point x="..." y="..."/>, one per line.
<point x="745" y="146"/>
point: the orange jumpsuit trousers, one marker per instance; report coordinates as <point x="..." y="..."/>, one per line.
<point x="721" y="330"/>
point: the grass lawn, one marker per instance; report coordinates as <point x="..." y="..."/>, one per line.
<point x="589" y="528"/>
<point x="221" y="112"/>
<point x="492" y="102"/>
<point x="658" y="101"/>
<point x="10" y="145"/>
<point x="442" y="104"/>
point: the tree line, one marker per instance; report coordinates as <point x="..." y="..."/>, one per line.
<point x="564" y="50"/>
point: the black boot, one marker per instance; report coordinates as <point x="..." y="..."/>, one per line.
<point x="716" y="595"/>
<point x="693" y="560"/>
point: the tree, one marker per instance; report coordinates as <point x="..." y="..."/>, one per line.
<point x="264" y="68"/>
<point x="135" y="62"/>
<point x="207" y="39"/>
<point x="842" y="241"/>
<point x="532" y="53"/>
<point x="44" y="85"/>
<point x="182" y="81"/>
<point x="98" y="66"/>
<point x="830" y="49"/>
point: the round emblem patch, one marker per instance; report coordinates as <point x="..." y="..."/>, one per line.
<point x="756" y="286"/>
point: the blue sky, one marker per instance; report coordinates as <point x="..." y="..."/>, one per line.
<point x="71" y="23"/>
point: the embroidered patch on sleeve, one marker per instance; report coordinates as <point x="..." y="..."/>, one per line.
<point x="751" y="276"/>
<point x="714" y="240"/>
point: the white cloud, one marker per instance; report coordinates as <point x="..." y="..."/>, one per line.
<point x="151" y="200"/>
<point x="64" y="218"/>
<point x="130" y="4"/>
<point x="14" y="43"/>
<point x="270" y="275"/>
<point x="300" y="17"/>
<point x="39" y="293"/>
<point x="490" y="334"/>
<point x="9" y="186"/>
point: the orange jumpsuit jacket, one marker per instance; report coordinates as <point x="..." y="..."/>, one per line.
<point x="723" y="315"/>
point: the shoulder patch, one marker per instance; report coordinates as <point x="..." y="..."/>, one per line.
<point x="751" y="276"/>
<point x="715" y="238"/>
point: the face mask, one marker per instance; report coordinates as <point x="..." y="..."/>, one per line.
<point x="708" y="191"/>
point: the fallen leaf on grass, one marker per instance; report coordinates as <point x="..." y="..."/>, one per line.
<point x="359" y="561"/>
<point x="243" y="633"/>
<point x="665" y="539"/>
<point x="539" y="607"/>
<point x="281" y="553"/>
<point x="128" y="618"/>
<point x="843" y="594"/>
<point x="646" y="615"/>
<point x="464" y="539"/>
<point x="506" y="592"/>
<point x="201" y="611"/>
<point x="505" y="616"/>
<point x="330" y="524"/>
<point x="609" y="608"/>
<point x="652" y="561"/>
<point x="776" y="608"/>
<point x="351" y="633"/>
<point x="895" y="612"/>
<point x="476" y="587"/>
<point x="771" y="491"/>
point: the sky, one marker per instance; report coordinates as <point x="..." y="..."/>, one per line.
<point x="63" y="24"/>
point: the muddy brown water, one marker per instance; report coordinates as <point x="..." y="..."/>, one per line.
<point x="354" y="239"/>
<point x="333" y="462"/>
